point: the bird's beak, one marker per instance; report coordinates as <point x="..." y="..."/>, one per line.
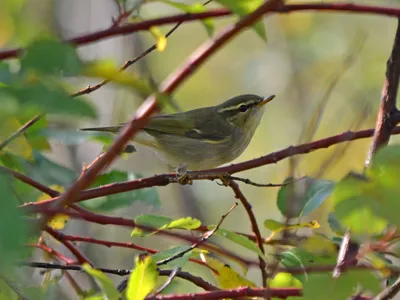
<point x="266" y="100"/>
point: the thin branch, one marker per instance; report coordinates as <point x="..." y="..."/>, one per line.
<point x="198" y="243"/>
<point x="123" y="272"/>
<point x="388" y="113"/>
<point x="145" y="25"/>
<point x="254" y="227"/>
<point x="53" y="253"/>
<point x="166" y="179"/>
<point x="109" y="220"/>
<point x="167" y="282"/>
<point x="19" y="132"/>
<point x="75" y="251"/>
<point x="389" y="292"/>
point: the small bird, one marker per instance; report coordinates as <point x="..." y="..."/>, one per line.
<point x="202" y="138"/>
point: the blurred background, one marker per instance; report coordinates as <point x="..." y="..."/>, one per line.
<point x="327" y="66"/>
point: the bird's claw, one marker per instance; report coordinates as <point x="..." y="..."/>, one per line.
<point x="182" y="175"/>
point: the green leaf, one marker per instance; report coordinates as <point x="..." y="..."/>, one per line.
<point x="302" y="197"/>
<point x="6" y="77"/>
<point x="51" y="57"/>
<point x="143" y="279"/>
<point x="243" y="8"/>
<point x="106" y="283"/>
<point x="239" y="239"/>
<point x="40" y="98"/>
<point x="162" y="223"/>
<point x="178" y="262"/>
<point x="318" y="286"/>
<point x="147" y="196"/>
<point x="193" y="9"/>
<point x="14" y="234"/>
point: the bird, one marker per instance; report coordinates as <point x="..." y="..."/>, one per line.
<point x="202" y="138"/>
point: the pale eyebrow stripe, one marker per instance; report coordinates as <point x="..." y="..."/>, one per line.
<point x="248" y="103"/>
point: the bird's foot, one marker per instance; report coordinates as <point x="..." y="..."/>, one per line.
<point x="225" y="178"/>
<point x="182" y="175"/>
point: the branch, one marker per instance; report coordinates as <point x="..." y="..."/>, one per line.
<point x="254" y="226"/>
<point x="390" y="292"/>
<point x="122" y="272"/>
<point x="145" y="25"/>
<point x="140" y="119"/>
<point x="388" y="114"/>
<point x="166" y="179"/>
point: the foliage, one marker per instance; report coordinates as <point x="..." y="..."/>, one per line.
<point x="38" y="87"/>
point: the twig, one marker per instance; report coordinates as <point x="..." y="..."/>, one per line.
<point x="109" y="220"/>
<point x="198" y="243"/>
<point x="389" y="292"/>
<point x="145" y="25"/>
<point x="388" y="114"/>
<point x="167" y="282"/>
<point x="254" y="227"/>
<point x="53" y="253"/>
<point x="29" y="181"/>
<point x="123" y="272"/>
<point x="19" y="132"/>
<point x="165" y="179"/>
<point x="75" y="251"/>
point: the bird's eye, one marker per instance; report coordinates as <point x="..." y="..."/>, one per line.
<point x="242" y="108"/>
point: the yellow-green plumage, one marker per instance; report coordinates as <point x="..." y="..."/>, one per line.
<point x="202" y="138"/>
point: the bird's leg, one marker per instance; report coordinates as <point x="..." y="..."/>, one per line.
<point x="182" y="174"/>
<point x="225" y="178"/>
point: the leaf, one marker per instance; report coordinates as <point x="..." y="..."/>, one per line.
<point x="13" y="235"/>
<point x="303" y="196"/>
<point x="106" y="283"/>
<point x="277" y="227"/>
<point x="161" y="223"/>
<point x="284" y="280"/>
<point x="227" y="278"/>
<point x="59" y="220"/>
<point x="318" y="286"/>
<point x="147" y="196"/>
<point x="143" y="279"/>
<point x="193" y="9"/>
<point x="6" y="77"/>
<point x="178" y="262"/>
<point x="51" y="57"/>
<point x="239" y="239"/>
<point x="161" y="40"/>
<point x="243" y="8"/>
<point x="107" y="70"/>
<point x="20" y="145"/>
<point x="40" y="98"/>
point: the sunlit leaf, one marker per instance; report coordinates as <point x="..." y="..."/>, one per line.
<point x="284" y="280"/>
<point x="59" y="220"/>
<point x="162" y="223"/>
<point x="161" y="40"/>
<point x="227" y="277"/>
<point x="243" y="8"/>
<point x="109" y="71"/>
<point x="20" y="145"/>
<point x="143" y="278"/>
<point x="277" y="227"/>
<point x="105" y="282"/>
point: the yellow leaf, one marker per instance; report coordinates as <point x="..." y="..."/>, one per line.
<point x="109" y="71"/>
<point x="278" y="227"/>
<point x="59" y="220"/>
<point x="284" y="280"/>
<point x="161" y="40"/>
<point x="143" y="278"/>
<point x="227" y="278"/>
<point x="19" y="146"/>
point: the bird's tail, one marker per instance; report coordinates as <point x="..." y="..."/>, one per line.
<point x="113" y="129"/>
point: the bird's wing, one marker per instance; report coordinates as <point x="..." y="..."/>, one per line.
<point x="179" y="124"/>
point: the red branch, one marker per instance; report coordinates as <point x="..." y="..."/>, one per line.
<point x="234" y="293"/>
<point x="145" y="25"/>
<point x="388" y="114"/>
<point x="254" y="226"/>
<point x="164" y="179"/>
